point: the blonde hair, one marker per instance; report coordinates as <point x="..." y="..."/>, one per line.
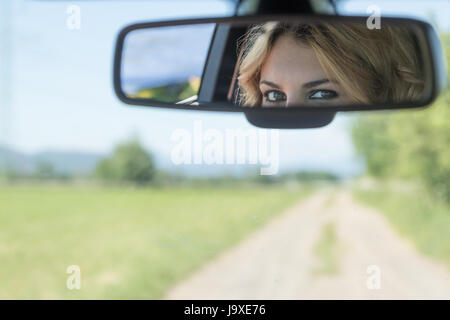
<point x="372" y="66"/>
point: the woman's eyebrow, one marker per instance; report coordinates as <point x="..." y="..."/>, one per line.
<point x="269" y="83"/>
<point x="310" y="84"/>
<point x="316" y="83"/>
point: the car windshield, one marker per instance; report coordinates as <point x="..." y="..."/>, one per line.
<point x="102" y="200"/>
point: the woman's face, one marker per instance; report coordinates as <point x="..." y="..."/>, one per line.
<point x="292" y="76"/>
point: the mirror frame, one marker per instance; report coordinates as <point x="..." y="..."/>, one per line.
<point x="434" y="65"/>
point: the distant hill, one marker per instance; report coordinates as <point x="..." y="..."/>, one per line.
<point x="72" y="163"/>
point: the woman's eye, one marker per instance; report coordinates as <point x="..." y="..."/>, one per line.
<point x="274" y="96"/>
<point x="322" y="94"/>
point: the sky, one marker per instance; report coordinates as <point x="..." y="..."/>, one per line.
<point x="156" y="57"/>
<point x="62" y="97"/>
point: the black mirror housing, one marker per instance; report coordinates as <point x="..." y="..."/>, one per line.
<point x="219" y="72"/>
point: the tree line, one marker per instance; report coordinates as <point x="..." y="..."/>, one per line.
<point x="413" y="145"/>
<point x="131" y="164"/>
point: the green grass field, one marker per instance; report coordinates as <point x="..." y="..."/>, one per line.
<point x="415" y="215"/>
<point x="128" y="243"/>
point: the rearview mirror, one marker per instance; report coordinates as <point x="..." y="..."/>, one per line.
<point x="308" y="63"/>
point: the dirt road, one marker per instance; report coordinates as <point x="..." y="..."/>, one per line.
<point x="279" y="260"/>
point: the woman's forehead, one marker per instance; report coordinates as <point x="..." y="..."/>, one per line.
<point x="291" y="61"/>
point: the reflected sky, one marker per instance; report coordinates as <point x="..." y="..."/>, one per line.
<point x="165" y="55"/>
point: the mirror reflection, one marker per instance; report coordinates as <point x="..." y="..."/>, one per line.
<point x="276" y="64"/>
<point x="298" y="64"/>
<point x="165" y="64"/>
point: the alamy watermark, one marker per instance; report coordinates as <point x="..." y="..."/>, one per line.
<point x="74" y="280"/>
<point x="373" y="281"/>
<point x="227" y="147"/>
<point x="374" y="20"/>
<point x="73" y="21"/>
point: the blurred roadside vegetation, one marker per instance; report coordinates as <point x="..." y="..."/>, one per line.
<point x="170" y="93"/>
<point x="412" y="148"/>
<point x="129" y="163"/>
<point x="415" y="214"/>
